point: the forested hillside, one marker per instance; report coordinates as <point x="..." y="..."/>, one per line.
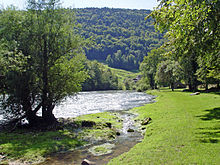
<point x="122" y="37"/>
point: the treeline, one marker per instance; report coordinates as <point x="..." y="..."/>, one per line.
<point x="122" y="37"/>
<point x="191" y="53"/>
<point x="100" y="77"/>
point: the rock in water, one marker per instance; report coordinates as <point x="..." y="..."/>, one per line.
<point x="88" y="123"/>
<point x="87" y="162"/>
<point x="146" y="121"/>
<point x="196" y="93"/>
<point x="130" y="130"/>
<point x="109" y="125"/>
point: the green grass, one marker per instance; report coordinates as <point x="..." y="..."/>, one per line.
<point x="102" y="118"/>
<point x="184" y="130"/>
<point x="33" y="146"/>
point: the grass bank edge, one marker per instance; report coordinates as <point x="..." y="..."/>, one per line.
<point x="184" y="130"/>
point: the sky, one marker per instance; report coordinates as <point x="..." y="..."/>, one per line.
<point x="127" y="4"/>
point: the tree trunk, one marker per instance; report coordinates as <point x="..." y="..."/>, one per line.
<point x="206" y="86"/>
<point x="172" y="86"/>
<point x="151" y="81"/>
<point x="48" y="115"/>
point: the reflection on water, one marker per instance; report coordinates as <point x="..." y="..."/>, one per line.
<point x="100" y="101"/>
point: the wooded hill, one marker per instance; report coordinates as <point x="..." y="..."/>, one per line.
<point x="122" y="37"/>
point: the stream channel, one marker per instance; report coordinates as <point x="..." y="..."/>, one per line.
<point x="96" y="102"/>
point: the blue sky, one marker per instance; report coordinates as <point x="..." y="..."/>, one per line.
<point x="131" y="4"/>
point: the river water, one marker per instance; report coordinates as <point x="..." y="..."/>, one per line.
<point x="100" y="101"/>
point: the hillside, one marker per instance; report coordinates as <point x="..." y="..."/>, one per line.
<point x="122" y="37"/>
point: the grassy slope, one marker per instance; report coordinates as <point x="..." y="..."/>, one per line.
<point x="184" y="130"/>
<point x="123" y="74"/>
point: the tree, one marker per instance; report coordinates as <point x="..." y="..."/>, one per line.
<point x="149" y="66"/>
<point x="100" y="78"/>
<point x="193" y="32"/>
<point x="44" y="35"/>
<point x="169" y="72"/>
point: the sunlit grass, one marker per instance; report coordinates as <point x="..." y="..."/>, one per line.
<point x="33" y="146"/>
<point x="105" y="117"/>
<point x="184" y="130"/>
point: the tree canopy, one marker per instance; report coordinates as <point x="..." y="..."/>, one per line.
<point x="193" y="32"/>
<point x="44" y="60"/>
<point x="122" y="37"/>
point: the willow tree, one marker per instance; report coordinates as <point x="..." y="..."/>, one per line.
<point x="53" y="60"/>
<point x="193" y="31"/>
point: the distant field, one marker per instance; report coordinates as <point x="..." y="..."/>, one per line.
<point x="184" y="130"/>
<point x="123" y="74"/>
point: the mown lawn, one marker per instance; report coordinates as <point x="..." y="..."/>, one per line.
<point x="184" y="130"/>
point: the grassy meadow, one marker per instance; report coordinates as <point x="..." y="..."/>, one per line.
<point x="184" y="130"/>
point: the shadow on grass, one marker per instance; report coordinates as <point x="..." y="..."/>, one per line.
<point x="31" y="145"/>
<point x="212" y="114"/>
<point x="210" y="134"/>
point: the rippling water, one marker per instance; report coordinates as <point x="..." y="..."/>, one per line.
<point x="100" y="101"/>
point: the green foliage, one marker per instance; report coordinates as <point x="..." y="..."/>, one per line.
<point x="100" y="77"/>
<point x="149" y="66"/>
<point x="122" y="36"/>
<point x="184" y="130"/>
<point x="44" y="59"/>
<point x="169" y="72"/>
<point x="193" y="31"/>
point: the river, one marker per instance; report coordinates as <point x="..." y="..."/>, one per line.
<point x="100" y="101"/>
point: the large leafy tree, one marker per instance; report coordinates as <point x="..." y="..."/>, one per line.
<point x="43" y="37"/>
<point x="193" y="32"/>
<point x="149" y="66"/>
<point x="169" y="73"/>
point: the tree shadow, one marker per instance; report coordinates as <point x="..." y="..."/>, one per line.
<point x="209" y="135"/>
<point x="212" y="114"/>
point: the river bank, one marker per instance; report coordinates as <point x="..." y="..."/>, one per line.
<point x="31" y="147"/>
<point x="74" y="141"/>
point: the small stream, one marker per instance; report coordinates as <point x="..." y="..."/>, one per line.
<point x="95" y="102"/>
<point x="123" y="143"/>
